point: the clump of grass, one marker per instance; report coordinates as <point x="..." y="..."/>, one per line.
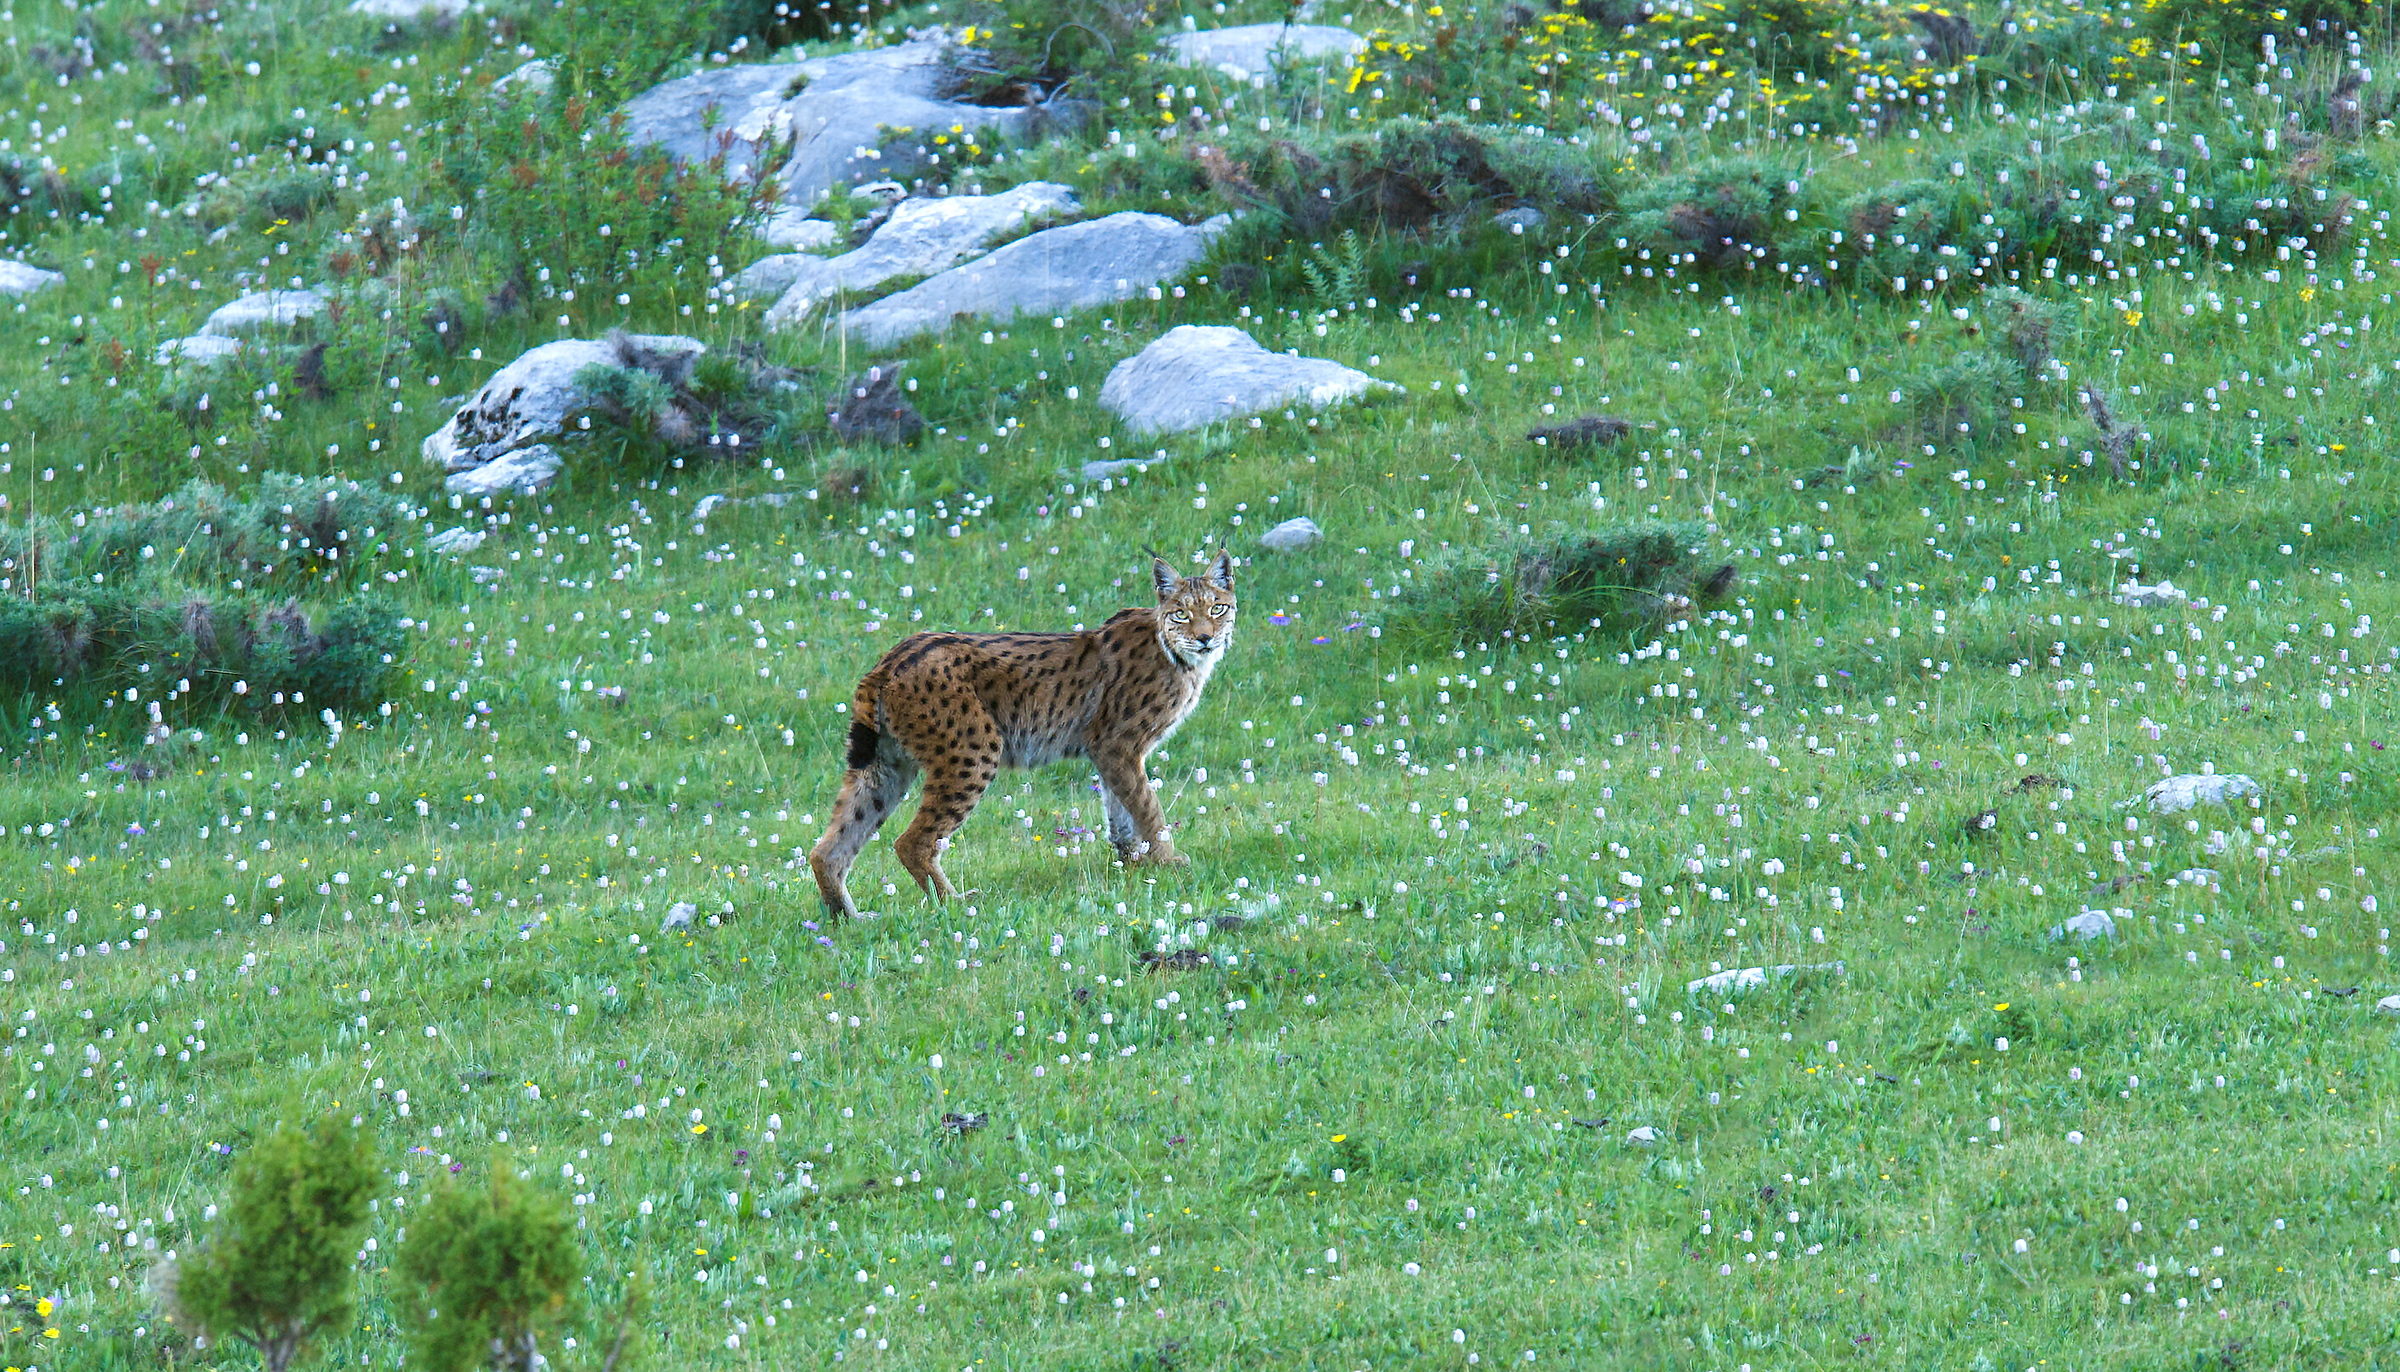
<point x="289" y="531"/>
<point x="729" y="398"/>
<point x="1964" y="393"/>
<point x="1521" y="587"/>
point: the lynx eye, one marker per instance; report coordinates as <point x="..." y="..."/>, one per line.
<point x="1218" y="611"/>
<point x="1181" y="616"/>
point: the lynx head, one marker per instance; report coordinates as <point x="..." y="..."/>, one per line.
<point x="1195" y="613"/>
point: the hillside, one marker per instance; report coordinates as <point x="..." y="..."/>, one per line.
<point x="1800" y="779"/>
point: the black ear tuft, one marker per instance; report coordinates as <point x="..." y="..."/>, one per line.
<point x="1163" y="576"/>
<point x="1220" y="572"/>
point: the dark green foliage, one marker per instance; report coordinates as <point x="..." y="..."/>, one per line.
<point x="1562" y="581"/>
<point x="291" y="531"/>
<point x="86" y="640"/>
<point x="729" y="399"/>
<point x="485" y="1272"/>
<point x="1719" y="211"/>
<point x="1410" y="174"/>
<point x="277" y="1272"/>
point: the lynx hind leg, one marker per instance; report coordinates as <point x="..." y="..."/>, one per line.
<point x="878" y="779"/>
<point x="961" y="755"/>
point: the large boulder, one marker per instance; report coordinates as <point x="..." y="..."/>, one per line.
<point x="922" y="237"/>
<point x="1248" y="50"/>
<point x="1197" y="374"/>
<point x="1072" y="267"/>
<point x="838" y="112"/>
<point x="18" y="279"/>
<point x="525" y="404"/>
<point x="262" y="312"/>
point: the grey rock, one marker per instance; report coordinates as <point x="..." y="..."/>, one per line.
<point x="536" y="77"/>
<point x="792" y="228"/>
<point x="200" y="350"/>
<point x="2135" y="595"/>
<point x="2088" y="925"/>
<point x="1520" y="220"/>
<point x="527" y="402"/>
<point x="261" y="311"/>
<point x="455" y="541"/>
<point x="2389" y="1005"/>
<point x="2179" y="793"/>
<point x="1642" y="1136"/>
<point x="710" y="504"/>
<point x="837" y="111"/>
<point x="522" y="471"/>
<point x="409" y="9"/>
<point x="1292" y="535"/>
<point x="1734" y="980"/>
<point x="922" y="236"/>
<point x="1196" y="374"/>
<point x="1248" y="50"/>
<point x="1072" y="267"/>
<point x="679" y="916"/>
<point x="18" y="279"/>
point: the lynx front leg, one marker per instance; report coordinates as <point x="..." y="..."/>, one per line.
<point x="1127" y="783"/>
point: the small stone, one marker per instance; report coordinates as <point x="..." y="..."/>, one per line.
<point x="1194" y="375"/>
<point x="536" y="77"/>
<point x="2088" y="925"/>
<point x="2136" y="596"/>
<point x="1292" y="535"/>
<point x="1094" y="471"/>
<point x="454" y="542"/>
<point x="1524" y="219"/>
<point x="2179" y="793"/>
<point x="1642" y="1136"/>
<point x="1583" y="431"/>
<point x="19" y="279"/>
<point x="710" y="504"/>
<point x="261" y="311"/>
<point x="1737" y="979"/>
<point x="2389" y="1005"/>
<point x="679" y="916"/>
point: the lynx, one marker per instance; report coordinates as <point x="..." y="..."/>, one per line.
<point x="960" y="707"/>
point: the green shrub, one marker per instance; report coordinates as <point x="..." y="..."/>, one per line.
<point x="1971" y="388"/>
<point x="276" y="1273"/>
<point x="1720" y="212"/>
<point x="291" y="531"/>
<point x="1523" y="587"/>
<point x="98" y="640"/>
<point x="486" y="1271"/>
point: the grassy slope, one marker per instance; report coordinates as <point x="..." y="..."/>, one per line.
<point x="1215" y="1141"/>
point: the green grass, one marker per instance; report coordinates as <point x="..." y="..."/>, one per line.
<point x="461" y="899"/>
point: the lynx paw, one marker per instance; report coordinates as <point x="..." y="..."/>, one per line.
<point x="1159" y="856"/>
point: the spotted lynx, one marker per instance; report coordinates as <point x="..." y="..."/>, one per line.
<point x="960" y="707"/>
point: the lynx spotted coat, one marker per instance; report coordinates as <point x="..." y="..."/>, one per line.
<point x="959" y="707"/>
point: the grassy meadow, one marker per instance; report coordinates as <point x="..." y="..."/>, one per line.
<point x="1405" y="1068"/>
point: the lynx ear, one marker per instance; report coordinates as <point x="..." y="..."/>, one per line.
<point x="1163" y="576"/>
<point x="1220" y="572"/>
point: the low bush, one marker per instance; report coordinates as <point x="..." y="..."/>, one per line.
<point x="1564" y="581"/>
<point x="291" y="531"/>
<point x="85" y="639"/>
